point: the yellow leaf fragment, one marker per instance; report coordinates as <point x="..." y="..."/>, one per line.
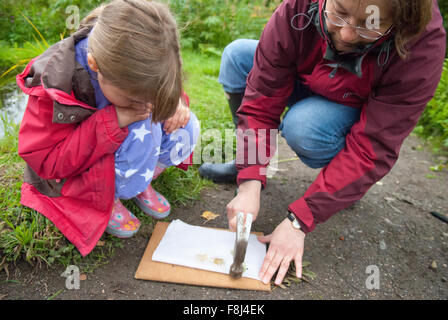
<point x="101" y="243"/>
<point x="209" y="215"/>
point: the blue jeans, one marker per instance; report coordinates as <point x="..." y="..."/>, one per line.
<point x="314" y="127"/>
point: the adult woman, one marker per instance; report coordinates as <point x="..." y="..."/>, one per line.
<point x="356" y="88"/>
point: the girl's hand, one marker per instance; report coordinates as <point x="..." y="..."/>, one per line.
<point x="128" y="115"/>
<point x="180" y="118"/>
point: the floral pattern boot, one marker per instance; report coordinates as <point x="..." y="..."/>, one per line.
<point x="122" y="223"/>
<point x="153" y="203"/>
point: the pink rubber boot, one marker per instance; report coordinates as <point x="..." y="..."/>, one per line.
<point x="151" y="202"/>
<point x="122" y="223"/>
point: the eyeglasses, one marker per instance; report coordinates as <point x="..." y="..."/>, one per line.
<point x="369" y="34"/>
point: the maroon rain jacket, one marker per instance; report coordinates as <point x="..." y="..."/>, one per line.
<point x="391" y="93"/>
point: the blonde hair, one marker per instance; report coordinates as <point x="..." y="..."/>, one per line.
<point x="135" y="44"/>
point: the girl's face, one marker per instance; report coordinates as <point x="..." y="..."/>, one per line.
<point x="113" y="94"/>
<point x="346" y="38"/>
<point x="119" y="97"/>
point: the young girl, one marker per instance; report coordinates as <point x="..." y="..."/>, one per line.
<point x="92" y="132"/>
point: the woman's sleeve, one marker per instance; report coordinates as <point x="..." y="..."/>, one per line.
<point x="269" y="86"/>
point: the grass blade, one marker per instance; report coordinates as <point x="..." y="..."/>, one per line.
<point x="34" y="27"/>
<point x="38" y="43"/>
<point x="9" y="70"/>
<point x="55" y="295"/>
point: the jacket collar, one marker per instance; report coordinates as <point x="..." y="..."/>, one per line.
<point x="59" y="70"/>
<point x="57" y="74"/>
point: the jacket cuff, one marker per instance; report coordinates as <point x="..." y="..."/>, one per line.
<point x="303" y="214"/>
<point x="113" y="130"/>
<point x="252" y="173"/>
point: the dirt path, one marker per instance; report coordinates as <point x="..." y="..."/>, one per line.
<point x="390" y="228"/>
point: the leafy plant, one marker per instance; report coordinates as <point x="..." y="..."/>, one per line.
<point x="443" y="6"/>
<point x="433" y="124"/>
<point x="219" y="22"/>
<point x="49" y="17"/>
<point x="21" y="56"/>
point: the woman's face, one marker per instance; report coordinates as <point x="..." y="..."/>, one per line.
<point x="346" y="38"/>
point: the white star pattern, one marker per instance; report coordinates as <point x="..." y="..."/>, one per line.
<point x="141" y="132"/>
<point x="157" y="152"/>
<point x="130" y="172"/>
<point x="148" y="174"/>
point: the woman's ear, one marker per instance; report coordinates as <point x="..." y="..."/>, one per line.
<point x="91" y="62"/>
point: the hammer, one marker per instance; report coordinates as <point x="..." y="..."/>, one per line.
<point x="241" y="240"/>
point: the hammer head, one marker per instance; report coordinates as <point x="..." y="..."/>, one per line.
<point x="242" y="238"/>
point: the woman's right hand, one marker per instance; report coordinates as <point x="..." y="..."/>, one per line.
<point x="247" y="200"/>
<point x="131" y="114"/>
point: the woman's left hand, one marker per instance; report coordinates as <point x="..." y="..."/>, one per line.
<point x="180" y="118"/>
<point x="286" y="245"/>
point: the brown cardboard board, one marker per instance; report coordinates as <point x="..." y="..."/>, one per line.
<point x="165" y="272"/>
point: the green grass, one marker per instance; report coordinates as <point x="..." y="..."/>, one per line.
<point x="207" y="98"/>
<point x="433" y="124"/>
<point x="14" y="58"/>
<point x="26" y="234"/>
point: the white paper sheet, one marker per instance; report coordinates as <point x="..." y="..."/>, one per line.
<point x="207" y="249"/>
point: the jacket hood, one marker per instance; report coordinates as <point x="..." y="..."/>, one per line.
<point x="54" y="72"/>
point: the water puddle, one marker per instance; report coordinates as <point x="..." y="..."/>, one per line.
<point x="12" y="107"/>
